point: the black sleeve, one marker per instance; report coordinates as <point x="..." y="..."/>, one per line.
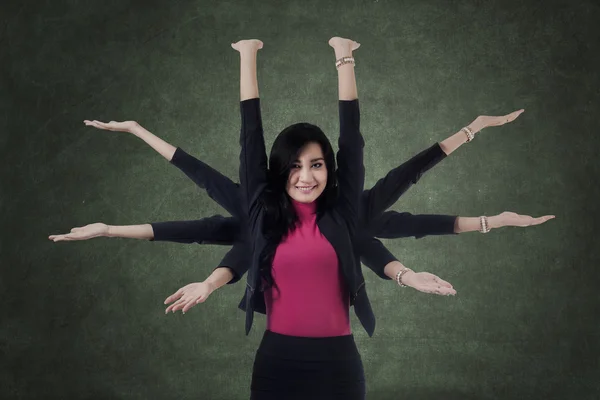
<point x="220" y="188"/>
<point x="392" y="225"/>
<point x="253" y="158"/>
<point x="375" y="255"/>
<point x="350" y="163"/>
<point x="388" y="189"/>
<point x="212" y="230"/>
<point x="238" y="260"/>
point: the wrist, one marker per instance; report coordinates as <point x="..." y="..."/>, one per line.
<point x="406" y="276"/>
<point x="342" y="52"/>
<point x="495" y="222"/>
<point x="109" y="231"/>
<point x="211" y="285"/>
<point x="475" y="127"/>
<point x="136" y="129"/>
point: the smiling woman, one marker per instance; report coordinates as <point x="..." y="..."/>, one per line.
<point x="297" y="229"/>
<point x="295" y="205"/>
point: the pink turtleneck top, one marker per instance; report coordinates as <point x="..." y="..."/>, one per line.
<point x="311" y="298"/>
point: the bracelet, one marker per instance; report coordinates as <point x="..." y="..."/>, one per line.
<point x="485" y="227"/>
<point x="399" y="276"/>
<point x="469" y="132"/>
<point x="344" y="60"/>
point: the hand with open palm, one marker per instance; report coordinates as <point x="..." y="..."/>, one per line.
<point x="188" y="296"/>
<point x="125" y="126"/>
<point x="428" y="283"/>
<point x="509" y="218"/>
<point x="90" y="231"/>
<point x="485" y="121"/>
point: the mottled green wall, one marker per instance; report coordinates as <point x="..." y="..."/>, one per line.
<point x="85" y="320"/>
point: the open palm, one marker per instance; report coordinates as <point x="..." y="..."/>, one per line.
<point x="428" y="283"/>
<point x="509" y="218"/>
<point x="125" y="126"/>
<point x="82" y="233"/>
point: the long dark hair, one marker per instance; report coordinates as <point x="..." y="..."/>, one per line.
<point x="280" y="217"/>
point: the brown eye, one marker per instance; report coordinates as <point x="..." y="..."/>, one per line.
<point x="319" y="165"/>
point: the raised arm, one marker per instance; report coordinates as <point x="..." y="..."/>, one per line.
<point x="253" y="157"/>
<point x="350" y="165"/>
<point x="388" y="189"/>
<point x="219" y="187"/>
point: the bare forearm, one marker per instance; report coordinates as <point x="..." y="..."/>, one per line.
<point x="470" y="224"/>
<point x="219" y="277"/>
<point x="144" y="231"/>
<point x="453" y="142"/>
<point x="165" y="149"/>
<point x="248" y="78"/>
<point x="346" y="78"/>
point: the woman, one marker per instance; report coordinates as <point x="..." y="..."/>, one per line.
<point x="305" y="225"/>
<point x="296" y="219"/>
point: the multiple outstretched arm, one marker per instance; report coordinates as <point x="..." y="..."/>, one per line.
<point x="225" y="230"/>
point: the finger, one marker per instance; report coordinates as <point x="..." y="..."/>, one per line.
<point x="58" y="238"/>
<point x="179" y="304"/>
<point x="95" y="125"/>
<point x="444" y="283"/>
<point x="445" y="291"/>
<point x="172" y="306"/>
<point x="513" y="115"/>
<point x="100" y="125"/>
<point x="541" y="220"/>
<point x="440" y="290"/>
<point x="189" y="305"/>
<point x="175" y="295"/>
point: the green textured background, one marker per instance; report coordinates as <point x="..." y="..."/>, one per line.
<point x="85" y="320"/>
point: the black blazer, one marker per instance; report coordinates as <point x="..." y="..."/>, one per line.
<point x="372" y="218"/>
<point x="338" y="224"/>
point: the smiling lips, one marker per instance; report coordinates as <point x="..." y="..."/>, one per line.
<point x="305" y="189"/>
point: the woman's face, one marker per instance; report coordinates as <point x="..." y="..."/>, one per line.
<point x="310" y="172"/>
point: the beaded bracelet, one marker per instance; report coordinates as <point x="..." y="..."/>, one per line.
<point x="344" y="60"/>
<point x="484" y="224"/>
<point x="469" y="132"/>
<point x="399" y="276"/>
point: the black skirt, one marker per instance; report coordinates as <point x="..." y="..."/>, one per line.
<point x="294" y="367"/>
